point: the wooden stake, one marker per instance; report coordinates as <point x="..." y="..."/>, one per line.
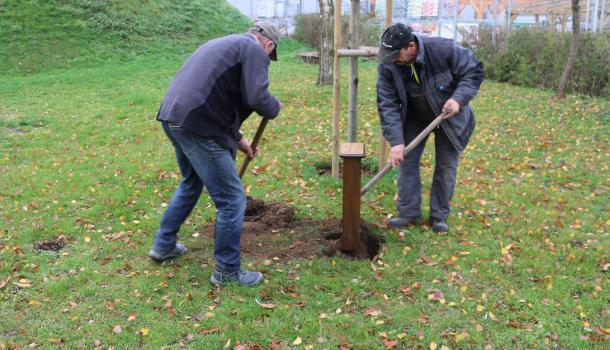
<point x="336" y="90"/>
<point x="362" y="51"/>
<point x="354" y="43"/>
<point x="383" y="145"/>
<point x="352" y="154"/>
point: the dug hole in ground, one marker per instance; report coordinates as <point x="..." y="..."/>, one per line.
<point x="270" y="231"/>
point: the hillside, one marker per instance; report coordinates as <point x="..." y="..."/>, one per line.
<point x="39" y="35"/>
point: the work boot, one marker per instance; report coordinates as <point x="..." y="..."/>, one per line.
<point x="398" y="222"/>
<point x="160" y="256"/>
<point x="439" y="226"/>
<point x="245" y="278"/>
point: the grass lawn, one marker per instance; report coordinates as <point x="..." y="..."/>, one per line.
<point x="81" y="155"/>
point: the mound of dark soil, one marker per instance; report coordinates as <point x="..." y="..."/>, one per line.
<point x="54" y="244"/>
<point x="269" y="231"/>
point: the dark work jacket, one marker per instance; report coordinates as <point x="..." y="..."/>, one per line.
<point x="218" y="87"/>
<point x="447" y="71"/>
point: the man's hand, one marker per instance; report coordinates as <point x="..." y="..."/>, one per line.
<point x="451" y="107"/>
<point x="396" y="156"/>
<point x="244" y="146"/>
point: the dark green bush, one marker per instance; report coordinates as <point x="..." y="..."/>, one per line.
<point x="537" y="57"/>
<point x="307" y="31"/>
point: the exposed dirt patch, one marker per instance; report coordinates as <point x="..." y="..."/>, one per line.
<point x="55" y="244"/>
<point x="16" y="131"/>
<point x="270" y="231"/>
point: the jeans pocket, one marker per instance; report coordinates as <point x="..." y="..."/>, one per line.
<point x="186" y="139"/>
<point x="211" y="148"/>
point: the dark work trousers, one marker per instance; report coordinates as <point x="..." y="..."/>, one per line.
<point x="443" y="181"/>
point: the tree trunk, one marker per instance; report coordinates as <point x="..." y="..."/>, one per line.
<point x="325" y="74"/>
<point x="561" y="90"/>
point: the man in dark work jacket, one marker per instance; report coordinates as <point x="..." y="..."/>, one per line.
<point x="418" y="78"/>
<point x="212" y="94"/>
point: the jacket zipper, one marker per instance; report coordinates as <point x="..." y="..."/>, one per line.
<point x="422" y="74"/>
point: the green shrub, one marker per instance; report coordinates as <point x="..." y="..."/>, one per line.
<point x="537" y="57"/>
<point x="307" y="31"/>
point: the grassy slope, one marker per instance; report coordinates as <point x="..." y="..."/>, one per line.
<point x="37" y="35"/>
<point x="82" y="157"/>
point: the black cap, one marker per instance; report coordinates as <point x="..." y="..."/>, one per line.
<point x="394" y="38"/>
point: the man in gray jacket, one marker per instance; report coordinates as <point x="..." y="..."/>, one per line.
<point x="212" y="94"/>
<point x="418" y="78"/>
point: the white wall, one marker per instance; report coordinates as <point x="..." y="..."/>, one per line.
<point x="246" y="7"/>
<point x="274" y="8"/>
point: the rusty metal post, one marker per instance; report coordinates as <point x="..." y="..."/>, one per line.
<point x="352" y="154"/>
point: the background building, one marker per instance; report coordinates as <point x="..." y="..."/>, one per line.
<point x="446" y="18"/>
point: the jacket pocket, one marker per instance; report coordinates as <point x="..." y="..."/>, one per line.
<point x="443" y="83"/>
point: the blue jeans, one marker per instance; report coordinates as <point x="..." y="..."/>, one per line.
<point x="202" y="163"/>
<point x="443" y="180"/>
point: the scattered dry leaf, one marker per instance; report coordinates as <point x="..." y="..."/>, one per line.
<point x="519" y="325"/>
<point x="265" y="305"/>
<point x="389" y="344"/>
<point x="372" y="312"/>
<point x="208" y="331"/>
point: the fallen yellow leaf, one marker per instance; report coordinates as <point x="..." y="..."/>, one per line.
<point x="506" y="249"/>
<point x="297" y="341"/>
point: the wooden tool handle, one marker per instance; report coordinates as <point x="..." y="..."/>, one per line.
<point x="257" y="137"/>
<point x="422" y="135"/>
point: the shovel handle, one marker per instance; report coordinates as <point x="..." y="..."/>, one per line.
<point x="405" y="151"/>
<point x="257" y="137"/>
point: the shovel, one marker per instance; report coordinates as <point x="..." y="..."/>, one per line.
<point x="257" y="137"/>
<point x="405" y="151"/>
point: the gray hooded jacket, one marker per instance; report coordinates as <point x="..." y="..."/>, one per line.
<point x="218" y="87"/>
<point x="449" y="71"/>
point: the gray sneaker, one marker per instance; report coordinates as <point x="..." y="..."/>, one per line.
<point x="439" y="226"/>
<point x="162" y="256"/>
<point x="245" y="278"/>
<point x="399" y="222"/>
